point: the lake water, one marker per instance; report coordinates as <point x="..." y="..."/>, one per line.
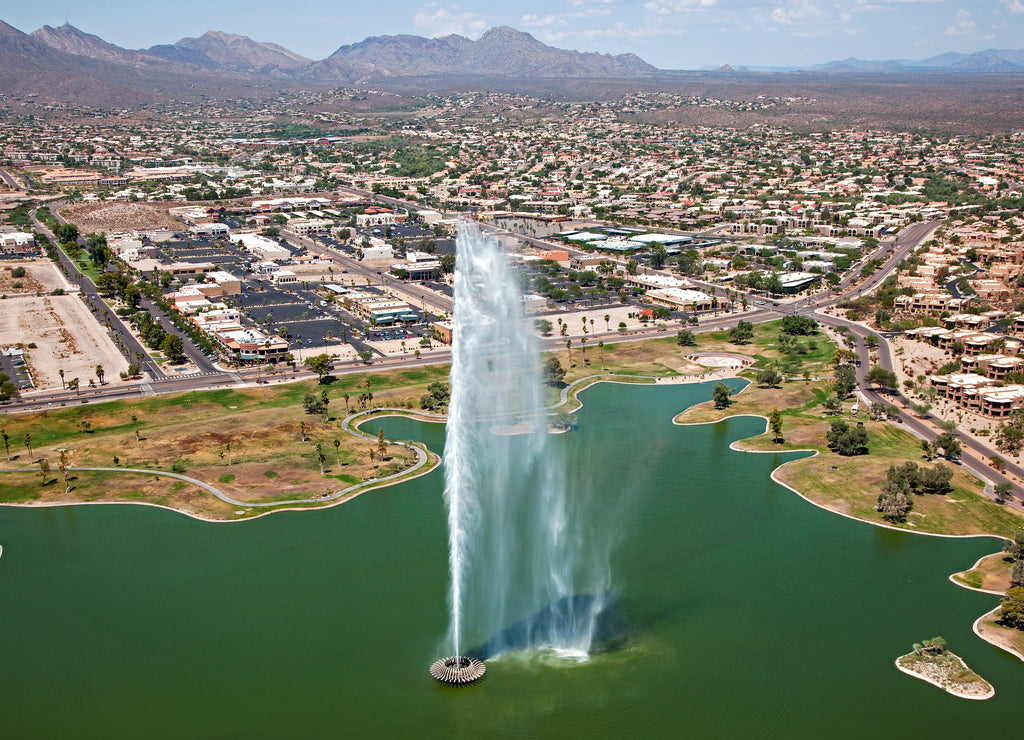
<point x="740" y="611"/>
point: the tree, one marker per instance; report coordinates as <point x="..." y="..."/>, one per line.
<point x="742" y="333"/>
<point x="631" y="266"/>
<point x="720" y="394"/>
<point x="320" y="457"/>
<point x="365" y="356"/>
<point x="928" y="449"/>
<point x="949" y="444"/>
<point x="7" y="443"/>
<point x="686" y="338"/>
<point x="1015" y="547"/>
<point x="173" y="348"/>
<point x="1011" y="612"/>
<point x="543" y="326"/>
<point x="382" y="444"/>
<point x="73" y="385"/>
<point x="657" y="256"/>
<point x="337" y="450"/>
<point x="798" y="325"/>
<point x="847" y="440"/>
<point x="302" y="430"/>
<point x="62" y="463"/>
<point x="768" y="377"/>
<point x="325" y="402"/>
<point x="935" y="480"/>
<point x="44" y="470"/>
<point x="316" y="403"/>
<point x="882" y="377"/>
<point x="321" y="364"/>
<point x="8" y="390"/>
<point x="61" y="374"/>
<point x="99" y="373"/>
<point x="1001" y="491"/>
<point x="554" y="373"/>
<point x="607" y="319"/>
<point x="775" y="422"/>
<point x="1010" y="437"/>
<point x="845" y="380"/>
<point x="895" y="500"/>
<point x="833" y="405"/>
<point x="28" y="444"/>
<point x="437" y="396"/>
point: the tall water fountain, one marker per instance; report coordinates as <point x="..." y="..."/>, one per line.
<point x="528" y="568"/>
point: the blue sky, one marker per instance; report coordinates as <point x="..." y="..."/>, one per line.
<point x="671" y="34"/>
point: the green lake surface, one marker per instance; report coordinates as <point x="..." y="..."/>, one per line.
<point x="740" y="611"/>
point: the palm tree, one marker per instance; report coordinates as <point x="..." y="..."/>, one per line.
<point x="302" y="430"/>
<point x="320" y="457"/>
<point x="135" y="423"/>
<point x="7" y="443"/>
<point x="600" y="347"/>
<point x="61" y="374"/>
<point x="568" y="347"/>
<point x="337" y="450"/>
<point x="73" y="384"/>
<point x="28" y="443"/>
<point x="63" y="464"/>
<point x="99" y="373"/>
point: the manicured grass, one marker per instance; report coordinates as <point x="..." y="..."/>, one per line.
<point x="111" y="486"/>
<point x="850" y="485"/>
<point x="992" y="573"/>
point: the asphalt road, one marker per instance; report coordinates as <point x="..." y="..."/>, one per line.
<point x="893" y="253"/>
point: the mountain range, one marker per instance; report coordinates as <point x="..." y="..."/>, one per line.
<point x="65" y="63"/>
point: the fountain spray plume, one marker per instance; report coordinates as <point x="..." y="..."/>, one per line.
<point x="525" y="569"/>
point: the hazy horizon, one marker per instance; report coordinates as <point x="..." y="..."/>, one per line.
<point x="669" y="34"/>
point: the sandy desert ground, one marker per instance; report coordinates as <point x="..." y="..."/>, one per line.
<point x="67" y="336"/>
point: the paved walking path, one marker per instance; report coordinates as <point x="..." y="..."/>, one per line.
<point x="422" y="459"/>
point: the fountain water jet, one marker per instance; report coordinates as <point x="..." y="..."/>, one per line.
<point x="519" y="542"/>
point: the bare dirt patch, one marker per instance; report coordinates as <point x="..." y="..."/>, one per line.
<point x="41" y="276"/>
<point x="115" y="217"/>
<point x="67" y="336"/>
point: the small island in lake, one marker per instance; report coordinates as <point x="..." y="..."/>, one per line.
<point x="932" y="662"/>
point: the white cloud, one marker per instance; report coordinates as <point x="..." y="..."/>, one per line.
<point x="532" y="20"/>
<point x="795" y="14"/>
<point x="616" y="31"/>
<point x="437" y="21"/>
<point x="1013" y="6"/>
<point x="665" y="7"/>
<point x="962" y="24"/>
<point x="592" y="8"/>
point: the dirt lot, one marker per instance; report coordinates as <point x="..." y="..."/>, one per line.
<point x="67" y="336"/>
<point x="116" y="217"/>
<point x="41" y="276"/>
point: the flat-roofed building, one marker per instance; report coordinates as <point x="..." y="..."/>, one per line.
<point x="681" y="299"/>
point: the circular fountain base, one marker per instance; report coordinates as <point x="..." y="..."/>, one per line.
<point x="458" y="670"/>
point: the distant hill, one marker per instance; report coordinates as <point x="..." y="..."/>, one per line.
<point x="30" y="66"/>
<point x="990" y="61"/>
<point x="69" y="39"/>
<point x="67" y="64"/>
<point x="215" y="49"/>
<point x="500" y="52"/>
